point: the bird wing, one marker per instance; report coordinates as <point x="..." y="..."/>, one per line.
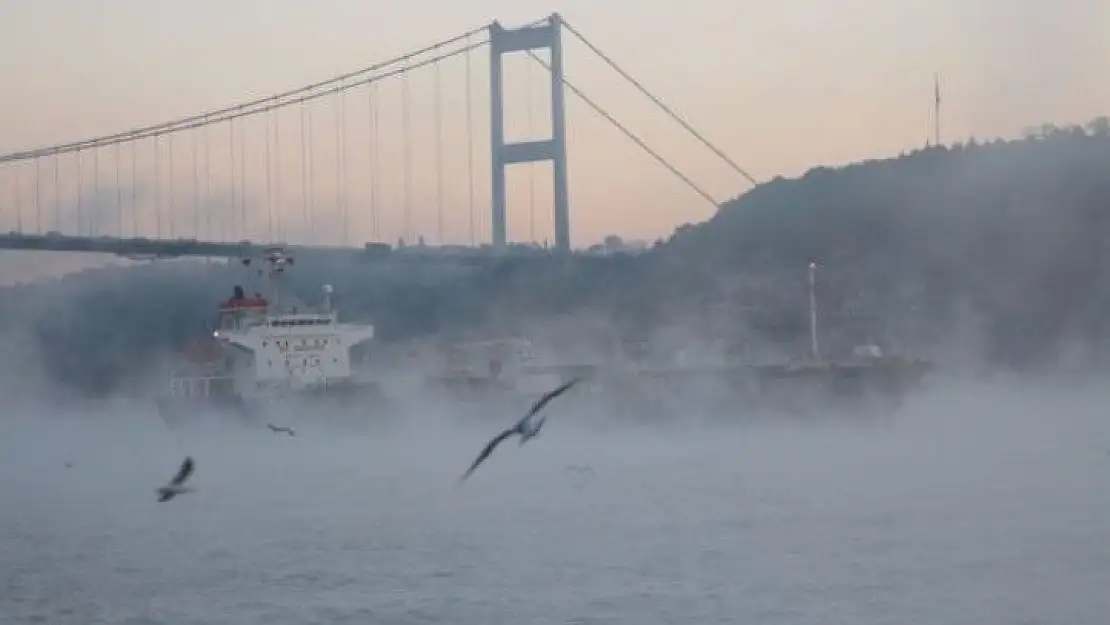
<point x="547" y="397"/>
<point x="184" y="472"/>
<point x="487" y="451"/>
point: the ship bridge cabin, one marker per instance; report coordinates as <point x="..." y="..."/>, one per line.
<point x="266" y="345"/>
<point x="298" y="347"/>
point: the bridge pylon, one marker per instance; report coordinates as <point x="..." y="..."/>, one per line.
<point x="505" y="41"/>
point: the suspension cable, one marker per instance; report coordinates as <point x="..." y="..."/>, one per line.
<point x="17" y="197"/>
<point x="57" y="195"/>
<point x="231" y="172"/>
<point x="341" y="160"/>
<point x="439" y="155"/>
<point x="239" y="114"/>
<point x="469" y="143"/>
<point x="219" y="114"/>
<point x="269" y="175"/>
<point x="207" y="182"/>
<point x="280" y="227"/>
<point x="94" y="221"/>
<point x="169" y="182"/>
<point x="80" y="191"/>
<point x="38" y="205"/>
<point x="372" y="105"/>
<point x="243" y="180"/>
<point x="310" y="184"/>
<point x="134" y="189"/>
<point x="304" y="164"/>
<point x="628" y="133"/>
<point x="658" y="102"/>
<point x="157" y="189"/>
<point x="119" y="192"/>
<point x="531" y="164"/>
<point x="406" y="148"/>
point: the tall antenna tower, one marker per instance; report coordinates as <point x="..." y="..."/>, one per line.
<point x="936" y="109"/>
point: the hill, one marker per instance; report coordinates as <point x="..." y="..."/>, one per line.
<point x="1011" y="234"/>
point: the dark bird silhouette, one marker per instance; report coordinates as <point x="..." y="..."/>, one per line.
<point x="527" y="428"/>
<point x="276" y="428"/>
<point x="177" y="484"/>
<point x="580" y="468"/>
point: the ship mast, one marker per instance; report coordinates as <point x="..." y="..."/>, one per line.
<point x="278" y="259"/>
<point x="815" y="353"/>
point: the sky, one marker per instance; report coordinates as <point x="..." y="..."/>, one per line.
<point x="780" y="87"/>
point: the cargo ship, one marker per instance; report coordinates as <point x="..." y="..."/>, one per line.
<point x="866" y="382"/>
<point x="633" y="385"/>
<point x="267" y="353"/>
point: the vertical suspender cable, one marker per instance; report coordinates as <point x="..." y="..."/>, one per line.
<point x="407" y="151"/>
<point x="439" y="155"/>
<point x="470" y="141"/>
<point x="134" y="189"/>
<point x="169" y="183"/>
<point x="57" y="194"/>
<point x="119" y="193"/>
<point x="38" y="205"/>
<point x="80" y="192"/>
<point x="372" y="112"/>
<point x="267" y="165"/>
<point x="304" y="166"/>
<point x="94" y="225"/>
<point x="341" y="158"/>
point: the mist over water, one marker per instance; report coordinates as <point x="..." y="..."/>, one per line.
<point x="977" y="503"/>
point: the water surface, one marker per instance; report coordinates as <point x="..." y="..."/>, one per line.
<point x="978" y="507"/>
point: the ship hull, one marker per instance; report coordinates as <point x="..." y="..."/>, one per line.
<point x="779" y="391"/>
<point x="350" y="405"/>
<point x="711" y="393"/>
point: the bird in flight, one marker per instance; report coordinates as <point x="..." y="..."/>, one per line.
<point x="276" y="428"/>
<point x="527" y="428"/>
<point x="177" y="484"/>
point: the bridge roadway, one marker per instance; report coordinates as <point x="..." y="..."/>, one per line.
<point x="141" y="248"/>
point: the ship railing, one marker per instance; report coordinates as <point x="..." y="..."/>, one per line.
<point x="239" y="318"/>
<point x="195" y="386"/>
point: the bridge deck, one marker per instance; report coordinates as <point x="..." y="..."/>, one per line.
<point x="144" y="248"/>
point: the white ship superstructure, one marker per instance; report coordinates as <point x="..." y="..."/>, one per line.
<point x="268" y="346"/>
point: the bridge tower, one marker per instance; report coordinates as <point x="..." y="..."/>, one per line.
<point x="504" y="41"/>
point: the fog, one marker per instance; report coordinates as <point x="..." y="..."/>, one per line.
<point x="982" y="498"/>
<point x="648" y="498"/>
<point x="981" y="256"/>
<point x="979" y="502"/>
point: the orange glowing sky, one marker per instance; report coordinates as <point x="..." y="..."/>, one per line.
<point x="779" y="86"/>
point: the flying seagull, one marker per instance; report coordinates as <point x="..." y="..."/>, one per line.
<point x="177" y="484"/>
<point x="580" y="468"/>
<point x="527" y="428"/>
<point x="275" y="428"/>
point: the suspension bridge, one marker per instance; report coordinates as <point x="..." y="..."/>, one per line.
<point x="319" y="167"/>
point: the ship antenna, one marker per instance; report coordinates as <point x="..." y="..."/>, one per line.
<point x="278" y="260"/>
<point x="277" y="287"/>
